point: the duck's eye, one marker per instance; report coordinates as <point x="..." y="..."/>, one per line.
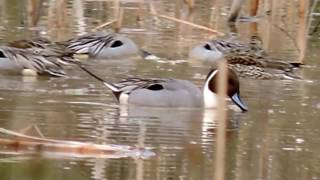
<point x="155" y="87"/>
<point x="116" y="44"/>
<point x="207" y="46"/>
<point x="2" y="55"/>
<point x="36" y="51"/>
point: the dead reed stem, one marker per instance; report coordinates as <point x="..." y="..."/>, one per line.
<point x="119" y="21"/>
<point x="61" y="13"/>
<point x="221" y="124"/>
<point x="20" y="143"/>
<point x="104" y="25"/>
<point x="313" y="7"/>
<point x="190" y="4"/>
<point x="33" y="9"/>
<point x="187" y="23"/>
<point x="254" y="7"/>
<point x="234" y="11"/>
<point x="116" y="8"/>
<point x="302" y="32"/>
<point x="140" y="10"/>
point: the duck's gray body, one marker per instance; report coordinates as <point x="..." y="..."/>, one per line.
<point x="103" y="45"/>
<point x="8" y="65"/>
<point x="173" y="93"/>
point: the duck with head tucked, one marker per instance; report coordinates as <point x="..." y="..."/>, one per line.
<point x="248" y="60"/>
<point x="105" y="45"/>
<point x="157" y="92"/>
<point x="35" y="57"/>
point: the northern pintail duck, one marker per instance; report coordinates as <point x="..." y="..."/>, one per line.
<point x="156" y="92"/>
<point x="38" y="55"/>
<point x="248" y="60"/>
<point x="105" y="45"/>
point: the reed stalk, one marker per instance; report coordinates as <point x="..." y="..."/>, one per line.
<point x="33" y="10"/>
<point x="190" y="4"/>
<point x="221" y="122"/>
<point x="104" y="25"/>
<point x="235" y="10"/>
<point x="254" y="6"/>
<point x="187" y="23"/>
<point x="116" y="9"/>
<point x="302" y="31"/>
<point x="119" y="21"/>
<point x="140" y="10"/>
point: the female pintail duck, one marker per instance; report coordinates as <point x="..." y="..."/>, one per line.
<point x="35" y="61"/>
<point x="156" y="92"/>
<point x="248" y="60"/>
<point x="42" y="45"/>
<point x="105" y="45"/>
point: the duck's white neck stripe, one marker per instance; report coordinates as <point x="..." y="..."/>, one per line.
<point x="209" y="98"/>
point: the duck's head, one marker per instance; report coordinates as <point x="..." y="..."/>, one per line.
<point x="118" y="47"/>
<point x="233" y="89"/>
<point x="206" y="53"/>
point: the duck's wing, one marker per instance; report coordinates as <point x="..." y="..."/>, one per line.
<point x="254" y="72"/>
<point x="44" y="47"/>
<point x="38" y="42"/>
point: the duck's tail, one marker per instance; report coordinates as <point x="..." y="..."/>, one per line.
<point x="281" y="65"/>
<point x="148" y="56"/>
<point x="111" y="86"/>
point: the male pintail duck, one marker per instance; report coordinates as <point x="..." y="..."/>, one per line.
<point x="154" y="92"/>
<point x="37" y="56"/>
<point x="105" y="45"/>
<point x="248" y="60"/>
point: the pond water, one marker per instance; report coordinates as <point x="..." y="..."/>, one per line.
<point x="278" y="138"/>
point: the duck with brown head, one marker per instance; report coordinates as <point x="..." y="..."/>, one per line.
<point x="156" y="92"/>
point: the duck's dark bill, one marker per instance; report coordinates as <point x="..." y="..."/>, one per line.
<point x="237" y="100"/>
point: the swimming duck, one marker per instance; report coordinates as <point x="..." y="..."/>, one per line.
<point x="248" y="60"/>
<point x="156" y="92"/>
<point x="37" y="57"/>
<point x="105" y="45"/>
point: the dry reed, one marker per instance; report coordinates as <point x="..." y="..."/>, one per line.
<point x="302" y="31"/>
<point x="187" y="23"/>
<point x="24" y="144"/>
<point x="221" y="131"/>
<point x="234" y="11"/>
<point x="104" y="25"/>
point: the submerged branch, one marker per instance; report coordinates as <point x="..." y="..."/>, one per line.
<point x="24" y="144"/>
